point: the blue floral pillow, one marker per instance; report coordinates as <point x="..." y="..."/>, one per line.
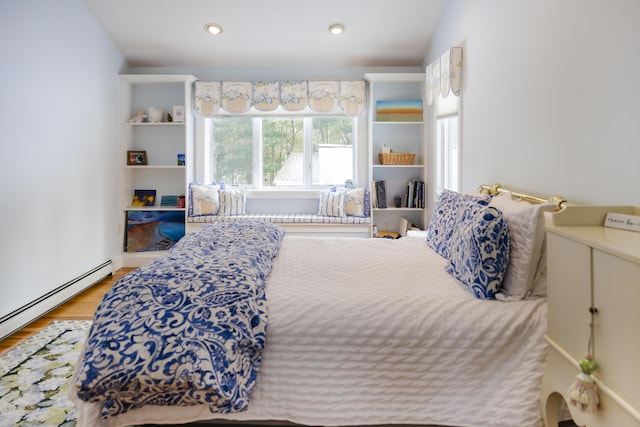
<point x="444" y="218"/>
<point x="479" y="249"/>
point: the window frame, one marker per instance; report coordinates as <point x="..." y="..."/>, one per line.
<point x="448" y="170"/>
<point x="257" y="157"/>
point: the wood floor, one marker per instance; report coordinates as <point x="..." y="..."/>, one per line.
<point x="81" y="307"/>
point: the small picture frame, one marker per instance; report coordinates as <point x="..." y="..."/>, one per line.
<point x="143" y="198"/>
<point x="178" y="113"/>
<point x="136" y="158"/>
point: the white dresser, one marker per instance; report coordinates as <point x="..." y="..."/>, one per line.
<point x="592" y="268"/>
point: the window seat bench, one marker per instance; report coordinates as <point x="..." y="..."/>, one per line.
<point x="298" y="224"/>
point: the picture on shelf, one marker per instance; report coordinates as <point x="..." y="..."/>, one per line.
<point x="153" y="230"/>
<point x="181" y="160"/>
<point x="178" y="113"/>
<point x="144" y="198"/>
<point x="399" y="111"/>
<point x="136" y="158"/>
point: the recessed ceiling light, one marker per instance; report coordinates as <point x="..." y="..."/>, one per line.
<point x="336" y="29"/>
<point x="213" y="28"/>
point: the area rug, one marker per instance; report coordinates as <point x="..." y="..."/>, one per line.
<point x="34" y="376"/>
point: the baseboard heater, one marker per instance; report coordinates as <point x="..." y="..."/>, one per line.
<point x="35" y="309"/>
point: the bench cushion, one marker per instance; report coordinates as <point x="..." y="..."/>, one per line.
<point x="283" y="219"/>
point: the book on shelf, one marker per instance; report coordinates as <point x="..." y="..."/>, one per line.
<point x="415" y="194"/>
<point x="374" y="198"/>
<point x="381" y="194"/>
<point x="144" y="198"/>
<point x="169" y="201"/>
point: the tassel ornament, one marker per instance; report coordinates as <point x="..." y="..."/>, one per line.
<point x="583" y="394"/>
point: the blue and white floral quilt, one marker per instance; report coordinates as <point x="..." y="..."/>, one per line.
<point x="187" y="329"/>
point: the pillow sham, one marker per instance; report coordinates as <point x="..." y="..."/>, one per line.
<point x="204" y="199"/>
<point x="479" y="250"/>
<point x="526" y="223"/>
<point x="232" y="202"/>
<point x="354" y="202"/>
<point x="331" y="203"/>
<point x="444" y="217"/>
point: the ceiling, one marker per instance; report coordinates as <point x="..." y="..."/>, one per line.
<point x="269" y="33"/>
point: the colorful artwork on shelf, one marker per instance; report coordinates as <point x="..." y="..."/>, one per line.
<point x="143" y="198"/>
<point x="181" y="160"/>
<point x="399" y="111"/>
<point x="153" y="230"/>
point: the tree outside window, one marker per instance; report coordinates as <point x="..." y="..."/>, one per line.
<point x="289" y="151"/>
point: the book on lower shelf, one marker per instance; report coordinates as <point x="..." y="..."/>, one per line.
<point x="169" y="201"/>
<point x="380" y="191"/>
<point x="414" y="198"/>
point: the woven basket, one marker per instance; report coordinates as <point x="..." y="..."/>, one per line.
<point x="397" y="158"/>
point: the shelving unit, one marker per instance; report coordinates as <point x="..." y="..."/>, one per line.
<point x="402" y="137"/>
<point x="162" y="142"/>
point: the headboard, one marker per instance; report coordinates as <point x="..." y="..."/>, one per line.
<point x="495" y="189"/>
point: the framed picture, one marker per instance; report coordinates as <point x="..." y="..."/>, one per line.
<point x="178" y="113"/>
<point x="136" y="157"/>
<point x="144" y="198"/>
<point x="153" y="230"/>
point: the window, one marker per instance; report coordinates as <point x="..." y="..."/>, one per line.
<point x="298" y="152"/>
<point x="447" y="154"/>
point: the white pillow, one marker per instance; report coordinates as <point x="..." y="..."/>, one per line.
<point x="526" y="224"/>
<point x="232" y="202"/>
<point x="205" y="200"/>
<point x="331" y="203"/>
<point x="354" y="202"/>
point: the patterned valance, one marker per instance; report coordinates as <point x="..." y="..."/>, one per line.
<point x="444" y="75"/>
<point x="324" y="97"/>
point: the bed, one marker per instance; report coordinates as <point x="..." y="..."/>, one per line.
<point x="356" y="331"/>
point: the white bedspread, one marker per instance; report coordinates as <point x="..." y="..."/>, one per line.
<point x="374" y="331"/>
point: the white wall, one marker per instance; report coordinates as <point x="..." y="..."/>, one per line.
<point x="59" y="174"/>
<point x="550" y="95"/>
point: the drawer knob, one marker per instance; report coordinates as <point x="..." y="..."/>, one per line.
<point x="593" y="310"/>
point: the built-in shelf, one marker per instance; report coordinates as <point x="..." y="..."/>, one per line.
<point x="156" y="124"/>
<point x="152" y="208"/>
<point x="398" y="166"/>
<point x="153" y="167"/>
<point x="163" y="142"/>
<point x="377" y="122"/>
<point x="398" y="209"/>
<point x="401" y="137"/>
